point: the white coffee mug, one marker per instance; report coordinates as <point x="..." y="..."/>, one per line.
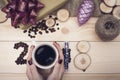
<point x="35" y="60"/>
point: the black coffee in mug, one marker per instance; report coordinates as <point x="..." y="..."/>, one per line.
<point x="45" y="55"/>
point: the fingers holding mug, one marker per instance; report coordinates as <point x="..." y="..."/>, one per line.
<point x="29" y="58"/>
<point x="30" y="52"/>
<point x="59" y="50"/>
<point x="29" y="63"/>
<point x="60" y="60"/>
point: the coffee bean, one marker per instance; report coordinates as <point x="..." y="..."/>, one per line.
<point x="17" y="27"/>
<point x="24" y="31"/>
<point x="46" y="31"/>
<point x="31" y="37"/>
<point x="56" y="18"/>
<point x="41" y="26"/>
<point x="25" y="61"/>
<point x="20" y="59"/>
<point x="21" y="56"/>
<point x="29" y="34"/>
<point x="40" y="32"/>
<point x="50" y="16"/>
<point x="29" y="31"/>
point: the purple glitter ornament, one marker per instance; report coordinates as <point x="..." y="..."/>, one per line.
<point x="85" y="11"/>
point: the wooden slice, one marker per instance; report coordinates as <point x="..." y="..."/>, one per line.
<point x="50" y="22"/>
<point x="82" y="61"/>
<point x="83" y="46"/>
<point x="63" y="14"/>
<point x="116" y="12"/>
<point x="110" y="3"/>
<point x="105" y="9"/>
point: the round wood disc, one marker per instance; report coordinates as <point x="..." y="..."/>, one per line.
<point x="82" y="61"/>
<point x="83" y="46"/>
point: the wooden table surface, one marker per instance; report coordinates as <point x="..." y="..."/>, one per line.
<point x="105" y="56"/>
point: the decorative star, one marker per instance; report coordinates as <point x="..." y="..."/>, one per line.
<point x="22" y="11"/>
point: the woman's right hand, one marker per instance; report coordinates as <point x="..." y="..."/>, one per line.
<point x="58" y="69"/>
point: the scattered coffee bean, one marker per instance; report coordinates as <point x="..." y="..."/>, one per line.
<point x="41" y="27"/>
<point x="24" y="31"/>
<point x="57" y="24"/>
<point x="56" y="18"/>
<point x="17" y="27"/>
<point x="58" y="28"/>
<point x="50" y="16"/>
<point x="46" y="31"/>
<point x="29" y="31"/>
<point x="40" y="32"/>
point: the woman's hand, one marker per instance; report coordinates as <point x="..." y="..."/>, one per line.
<point x="31" y="70"/>
<point x="58" y="69"/>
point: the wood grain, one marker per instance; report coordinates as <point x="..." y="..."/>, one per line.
<point x="102" y="54"/>
<point x="66" y="77"/>
<point x="105" y="55"/>
<point x="74" y="32"/>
